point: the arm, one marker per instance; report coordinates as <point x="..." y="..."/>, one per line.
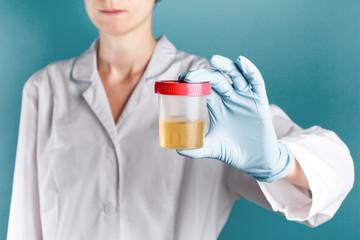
<point x="297" y="176"/>
<point x="24" y="218"/>
<point x="325" y="162"/>
<point x="260" y="140"/>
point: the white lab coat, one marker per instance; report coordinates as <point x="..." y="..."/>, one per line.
<point x="78" y="175"/>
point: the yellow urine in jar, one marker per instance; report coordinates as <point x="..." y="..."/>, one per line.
<point x="181" y="134"/>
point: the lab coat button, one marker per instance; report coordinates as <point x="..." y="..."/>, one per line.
<point x="108" y="209"/>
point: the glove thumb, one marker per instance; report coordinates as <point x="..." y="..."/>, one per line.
<point x="192" y="153"/>
<point x="205" y="152"/>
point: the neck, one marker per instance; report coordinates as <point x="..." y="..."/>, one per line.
<point x="122" y="56"/>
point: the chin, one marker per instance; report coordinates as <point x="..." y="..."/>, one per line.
<point x="114" y="29"/>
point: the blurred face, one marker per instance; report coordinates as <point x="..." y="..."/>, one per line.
<point x="117" y="17"/>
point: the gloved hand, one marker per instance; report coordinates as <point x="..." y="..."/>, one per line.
<point x="241" y="131"/>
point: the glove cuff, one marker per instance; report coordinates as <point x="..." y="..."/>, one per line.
<point x="283" y="166"/>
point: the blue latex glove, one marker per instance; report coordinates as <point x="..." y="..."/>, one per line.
<point x="241" y="131"/>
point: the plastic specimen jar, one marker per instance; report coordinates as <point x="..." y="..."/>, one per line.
<point x="182" y="113"/>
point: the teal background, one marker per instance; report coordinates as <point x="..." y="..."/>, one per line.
<point x="307" y="50"/>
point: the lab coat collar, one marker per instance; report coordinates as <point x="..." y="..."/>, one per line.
<point x="85" y="70"/>
<point x="163" y="57"/>
<point x="85" y="66"/>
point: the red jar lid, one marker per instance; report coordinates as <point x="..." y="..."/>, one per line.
<point x="182" y="88"/>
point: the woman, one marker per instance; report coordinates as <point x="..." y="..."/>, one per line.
<point x="89" y="166"/>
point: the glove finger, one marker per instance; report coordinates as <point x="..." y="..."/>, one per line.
<point x="214" y="102"/>
<point x="252" y="75"/>
<point x="230" y="68"/>
<point x="218" y="81"/>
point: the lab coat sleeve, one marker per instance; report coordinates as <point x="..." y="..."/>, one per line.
<point x="327" y="164"/>
<point x="24" y="218"/>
